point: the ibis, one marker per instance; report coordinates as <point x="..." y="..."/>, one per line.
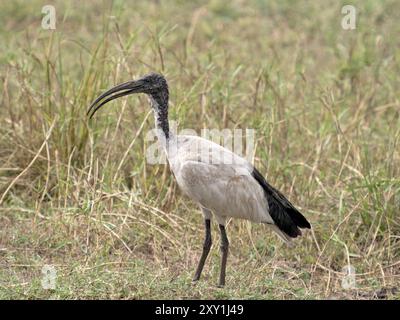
<point x="223" y="184"/>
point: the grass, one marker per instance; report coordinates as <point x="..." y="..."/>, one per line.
<point x="325" y="105"/>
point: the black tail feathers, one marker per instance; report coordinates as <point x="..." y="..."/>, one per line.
<point x="286" y="217"/>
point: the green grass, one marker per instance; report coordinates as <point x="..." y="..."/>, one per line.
<point x="325" y="105"/>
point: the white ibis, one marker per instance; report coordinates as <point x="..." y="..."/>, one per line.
<point x="223" y="184"/>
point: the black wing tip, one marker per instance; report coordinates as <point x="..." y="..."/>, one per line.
<point x="286" y="217"/>
<point x="294" y="234"/>
<point x="307" y="225"/>
<point x="299" y="219"/>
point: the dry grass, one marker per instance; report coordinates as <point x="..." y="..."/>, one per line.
<point x="324" y="102"/>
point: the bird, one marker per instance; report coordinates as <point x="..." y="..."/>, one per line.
<point x="222" y="184"/>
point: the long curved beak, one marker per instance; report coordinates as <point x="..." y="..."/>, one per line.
<point x="120" y="90"/>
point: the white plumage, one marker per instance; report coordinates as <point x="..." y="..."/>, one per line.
<point x="222" y="183"/>
<point x="217" y="179"/>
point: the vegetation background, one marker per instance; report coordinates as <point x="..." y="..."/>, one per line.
<point x="81" y="197"/>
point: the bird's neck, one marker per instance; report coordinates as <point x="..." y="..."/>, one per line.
<point x="159" y="103"/>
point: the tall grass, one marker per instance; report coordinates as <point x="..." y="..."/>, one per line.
<point x="324" y="102"/>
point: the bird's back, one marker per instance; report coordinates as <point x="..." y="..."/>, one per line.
<point x="218" y="179"/>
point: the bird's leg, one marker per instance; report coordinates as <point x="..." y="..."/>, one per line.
<point x="224" y="253"/>
<point x="206" y="250"/>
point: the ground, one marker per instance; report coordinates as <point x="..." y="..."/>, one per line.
<point x="81" y="197"/>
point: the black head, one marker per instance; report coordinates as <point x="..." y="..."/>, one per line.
<point x="153" y="84"/>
